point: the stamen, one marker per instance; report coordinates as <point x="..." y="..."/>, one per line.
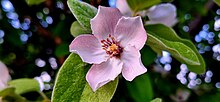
<point x="108" y="40"/>
<point x="113" y="40"/>
<point x="111" y="46"/>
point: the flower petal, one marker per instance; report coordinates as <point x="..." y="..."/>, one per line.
<point x="100" y="74"/>
<point x="130" y="31"/>
<point x="170" y="22"/>
<point x="132" y="65"/>
<point x="4" y="75"/>
<point x="163" y="13"/>
<point x="105" y="21"/>
<point x="89" y="49"/>
<point x="2" y="86"/>
<point x="122" y="5"/>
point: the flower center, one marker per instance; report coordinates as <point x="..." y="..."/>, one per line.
<point x="111" y="46"/>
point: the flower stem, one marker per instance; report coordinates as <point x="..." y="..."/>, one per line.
<point x="134" y="14"/>
<point x="46" y="99"/>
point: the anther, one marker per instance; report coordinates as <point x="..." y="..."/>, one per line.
<point x="111" y="46"/>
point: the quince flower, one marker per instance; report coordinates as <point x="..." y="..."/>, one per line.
<point x="4" y="76"/>
<point x="164" y="13"/>
<point x="112" y="48"/>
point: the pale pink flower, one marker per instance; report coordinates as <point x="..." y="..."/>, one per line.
<point x="112" y="48"/>
<point x="4" y="76"/>
<point x="164" y="13"/>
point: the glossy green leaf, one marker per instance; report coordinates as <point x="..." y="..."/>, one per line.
<point x="140" y="89"/>
<point x="76" y="29"/>
<point x="34" y="2"/>
<point x="157" y="100"/>
<point x="217" y="2"/>
<point x="25" y="85"/>
<point x="83" y="12"/>
<point x="161" y="37"/>
<point x="138" y="5"/>
<point x="177" y="49"/>
<point x="9" y="95"/>
<point x="71" y="86"/>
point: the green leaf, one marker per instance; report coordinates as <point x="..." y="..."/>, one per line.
<point x="217" y="2"/>
<point x="140" y="89"/>
<point x="104" y="94"/>
<point x="71" y="86"/>
<point x="34" y="2"/>
<point x="70" y="80"/>
<point x="83" y="12"/>
<point x="138" y="5"/>
<point x="161" y="37"/>
<point x="157" y="100"/>
<point x="147" y="55"/>
<point x="25" y="85"/>
<point x="76" y="29"/>
<point x="9" y="95"/>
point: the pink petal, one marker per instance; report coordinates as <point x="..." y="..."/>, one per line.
<point x="4" y="74"/>
<point x="105" y="21"/>
<point x="130" y="31"/>
<point x="89" y="49"/>
<point x="100" y="74"/>
<point x="2" y="86"/>
<point x="132" y="65"/>
<point x="163" y="13"/>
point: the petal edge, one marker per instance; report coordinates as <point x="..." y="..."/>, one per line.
<point x="100" y="74"/>
<point x="130" y="31"/>
<point x="105" y="21"/>
<point x="88" y="48"/>
<point x="132" y="65"/>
